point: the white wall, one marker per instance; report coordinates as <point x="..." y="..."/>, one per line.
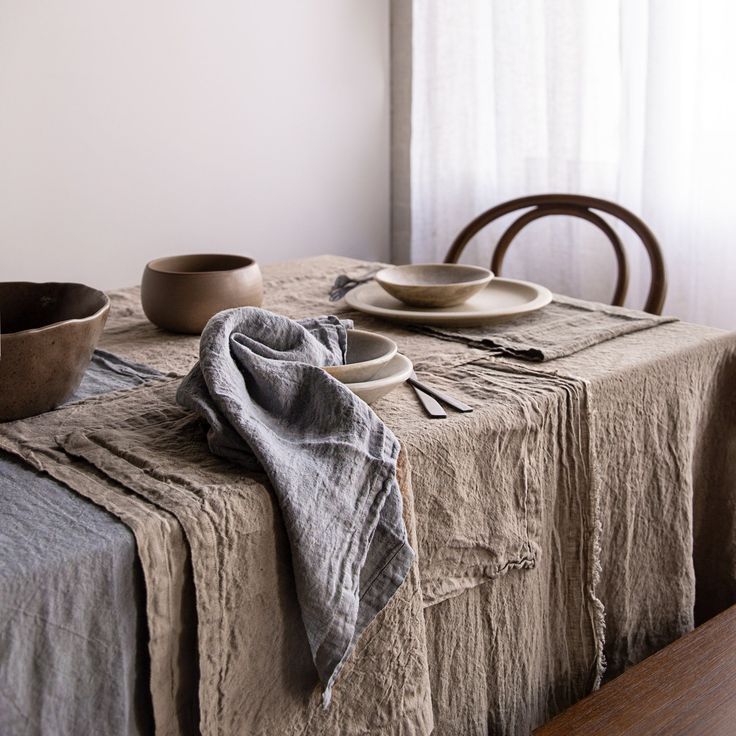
<point x="130" y="130"/>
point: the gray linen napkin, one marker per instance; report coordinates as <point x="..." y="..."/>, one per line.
<point x="563" y="327"/>
<point x="330" y="459"/>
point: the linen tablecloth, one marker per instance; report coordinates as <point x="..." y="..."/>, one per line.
<point x="573" y="512"/>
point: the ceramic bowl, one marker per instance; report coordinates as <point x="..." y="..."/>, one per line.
<point x="181" y="293"/>
<point x="433" y="285"/>
<point x="388" y="377"/>
<point x="367" y="352"/>
<point x="48" y="333"/>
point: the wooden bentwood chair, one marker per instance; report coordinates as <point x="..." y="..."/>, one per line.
<point x="576" y="206"/>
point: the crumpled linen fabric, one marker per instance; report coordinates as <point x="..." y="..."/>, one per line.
<point x="515" y="667"/>
<point x="260" y="387"/>
<point x="564" y="327"/>
<point x="515" y="664"/>
<point x="226" y="636"/>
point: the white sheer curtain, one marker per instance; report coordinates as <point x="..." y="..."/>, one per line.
<point x="629" y="100"/>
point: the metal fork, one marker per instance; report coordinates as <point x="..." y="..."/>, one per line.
<point x="344" y="283"/>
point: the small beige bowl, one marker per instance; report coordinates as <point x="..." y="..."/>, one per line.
<point x="181" y="293"/>
<point x="367" y="353"/>
<point x="48" y="333"/>
<point x="390" y="376"/>
<point x="433" y="284"/>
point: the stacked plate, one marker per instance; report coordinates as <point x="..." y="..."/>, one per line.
<point x="447" y="294"/>
<point x="373" y="366"/>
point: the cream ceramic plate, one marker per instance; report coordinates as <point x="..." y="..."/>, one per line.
<point x="389" y="377"/>
<point x="501" y="298"/>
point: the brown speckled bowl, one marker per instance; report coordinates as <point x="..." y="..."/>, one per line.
<point x="181" y="293"/>
<point x="48" y="333"/>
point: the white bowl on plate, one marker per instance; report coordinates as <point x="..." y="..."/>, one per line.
<point x="367" y="353"/>
<point x="389" y="376"/>
<point x="433" y="285"/>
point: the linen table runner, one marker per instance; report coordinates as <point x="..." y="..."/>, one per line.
<point x="563" y="327"/>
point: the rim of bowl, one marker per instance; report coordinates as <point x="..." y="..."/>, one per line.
<point x="89" y="318"/>
<point x="398" y="377"/>
<point x="486" y="276"/>
<point x="159" y="264"/>
<point x="385" y="358"/>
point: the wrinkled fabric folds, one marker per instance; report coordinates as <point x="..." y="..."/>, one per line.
<point x="635" y="433"/>
<point x="564" y="327"/>
<point x="268" y="404"/>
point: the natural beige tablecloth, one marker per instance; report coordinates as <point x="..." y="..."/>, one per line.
<point x="573" y="511"/>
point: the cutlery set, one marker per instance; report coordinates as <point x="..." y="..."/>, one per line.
<point x="430" y="399"/>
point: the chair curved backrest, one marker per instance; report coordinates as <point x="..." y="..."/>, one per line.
<point x="574" y="205"/>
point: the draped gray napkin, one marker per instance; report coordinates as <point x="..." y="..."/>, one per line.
<point x="563" y="327"/>
<point x="331" y="461"/>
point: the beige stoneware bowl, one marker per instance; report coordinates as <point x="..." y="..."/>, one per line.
<point x="433" y="285"/>
<point x="389" y="377"/>
<point x="367" y="353"/>
<point x="48" y="333"/>
<point x="181" y="293"/>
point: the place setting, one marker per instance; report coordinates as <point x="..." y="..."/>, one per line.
<point x="424" y="295"/>
<point x="445" y="294"/>
<point x="469" y="304"/>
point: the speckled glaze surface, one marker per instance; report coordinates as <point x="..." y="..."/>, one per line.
<point x="181" y="293"/>
<point x="433" y="285"/>
<point x="367" y="353"/>
<point x="48" y="332"/>
<point x="390" y="376"/>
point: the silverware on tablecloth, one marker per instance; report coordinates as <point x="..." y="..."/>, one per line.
<point x="431" y="406"/>
<point x="439" y="395"/>
<point x="425" y="392"/>
<point x="344" y="283"/>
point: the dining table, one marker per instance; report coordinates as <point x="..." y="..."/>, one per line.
<point x="580" y="518"/>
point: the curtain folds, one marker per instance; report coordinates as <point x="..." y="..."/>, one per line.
<point x="629" y="100"/>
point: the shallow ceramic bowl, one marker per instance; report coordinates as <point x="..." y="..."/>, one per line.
<point x="181" y="293"/>
<point x="433" y="285"/>
<point x="48" y="333"/>
<point x="388" y="377"/>
<point x="367" y="352"/>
